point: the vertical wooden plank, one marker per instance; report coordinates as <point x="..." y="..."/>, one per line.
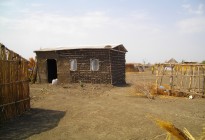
<point x="182" y="76"/>
<point x="157" y="77"/>
<point x="198" y="74"/>
<point x="203" y="81"/>
<point x="171" y="84"/>
<point x="190" y="78"/>
<point x="177" y="76"/>
<point x="193" y="79"/>
<point x="162" y="72"/>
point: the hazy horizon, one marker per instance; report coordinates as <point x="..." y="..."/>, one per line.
<point x="151" y="31"/>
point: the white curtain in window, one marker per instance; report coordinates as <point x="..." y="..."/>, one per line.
<point x="94" y="64"/>
<point x="73" y="64"/>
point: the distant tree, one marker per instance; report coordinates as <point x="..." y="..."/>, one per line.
<point x="31" y="63"/>
<point x="203" y="62"/>
<point x="31" y="68"/>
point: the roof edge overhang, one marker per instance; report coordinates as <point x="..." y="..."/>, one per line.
<point x="120" y="48"/>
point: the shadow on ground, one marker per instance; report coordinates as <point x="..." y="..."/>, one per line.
<point x="33" y="122"/>
<point x="124" y="85"/>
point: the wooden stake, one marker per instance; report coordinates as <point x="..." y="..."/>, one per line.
<point x="162" y="69"/>
<point x="190" y="79"/>
<point x="198" y="78"/>
<point x="182" y="75"/>
<point x="203" y="81"/>
<point x="172" y="77"/>
<point x="157" y="78"/>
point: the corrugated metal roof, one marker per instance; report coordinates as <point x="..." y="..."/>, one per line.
<point x="78" y="47"/>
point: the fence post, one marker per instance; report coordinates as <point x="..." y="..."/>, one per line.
<point x="157" y="77"/>
<point x="203" y="92"/>
<point x="171" y="83"/>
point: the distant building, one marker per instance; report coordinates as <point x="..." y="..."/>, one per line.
<point x="186" y="62"/>
<point x="135" y="67"/>
<point x="172" y="61"/>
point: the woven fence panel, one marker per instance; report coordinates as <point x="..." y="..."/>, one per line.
<point x="14" y="85"/>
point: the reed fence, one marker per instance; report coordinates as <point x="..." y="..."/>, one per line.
<point x="187" y="78"/>
<point x="14" y="84"/>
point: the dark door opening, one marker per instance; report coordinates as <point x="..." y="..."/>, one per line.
<point x="52" y="69"/>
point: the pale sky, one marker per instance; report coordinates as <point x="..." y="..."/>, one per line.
<point x="152" y="30"/>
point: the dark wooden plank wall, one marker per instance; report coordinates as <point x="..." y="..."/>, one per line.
<point x="83" y="72"/>
<point x="118" y="67"/>
<point x="111" y="66"/>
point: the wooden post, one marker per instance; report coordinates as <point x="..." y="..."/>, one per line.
<point x="171" y="79"/>
<point x="190" y="79"/>
<point x="177" y="75"/>
<point x="182" y="76"/>
<point x="203" y="82"/>
<point x="157" y="77"/>
<point x="198" y="78"/>
<point x="162" y="70"/>
<point x="194" y="78"/>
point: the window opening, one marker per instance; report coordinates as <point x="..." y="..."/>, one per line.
<point x="94" y="64"/>
<point x="73" y="64"/>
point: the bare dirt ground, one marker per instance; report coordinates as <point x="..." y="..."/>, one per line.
<point x="102" y="112"/>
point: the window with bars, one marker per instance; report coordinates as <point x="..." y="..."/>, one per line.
<point x="73" y="64"/>
<point x="94" y="64"/>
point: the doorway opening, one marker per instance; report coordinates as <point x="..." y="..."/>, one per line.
<point x="52" y="69"/>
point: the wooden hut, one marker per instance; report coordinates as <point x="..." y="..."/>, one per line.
<point x="88" y="64"/>
<point x="14" y="84"/>
<point x="172" y="61"/>
<point x="134" y="67"/>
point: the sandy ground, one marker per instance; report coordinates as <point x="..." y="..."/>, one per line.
<point x="102" y="112"/>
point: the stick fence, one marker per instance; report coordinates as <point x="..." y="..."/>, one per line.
<point x="188" y="78"/>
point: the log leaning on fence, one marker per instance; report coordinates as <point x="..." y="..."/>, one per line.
<point x="14" y="84"/>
